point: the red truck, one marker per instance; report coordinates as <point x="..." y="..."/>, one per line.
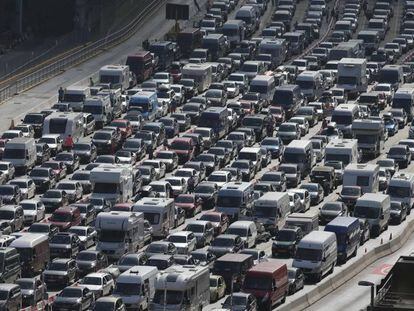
<point x="141" y="64"/>
<point x="268" y="282"/>
<point x="184" y="147"/>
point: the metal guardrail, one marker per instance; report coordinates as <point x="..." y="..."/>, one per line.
<point x="78" y="56"/>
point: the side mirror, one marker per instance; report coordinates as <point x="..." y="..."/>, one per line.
<point x="382" y="216"/>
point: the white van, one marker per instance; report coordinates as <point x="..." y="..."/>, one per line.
<point x="136" y="287"/>
<point x="401" y="188"/>
<point x="117" y="76"/>
<point x="343" y="150"/>
<point x="300" y="152"/>
<point x="316" y="254"/>
<point x="185" y="287"/>
<point x="271" y="210"/>
<point x="265" y="85"/>
<point x="253" y="154"/>
<point x="247" y="231"/>
<point x="21" y="152"/>
<point x="343" y="115"/>
<point x="159" y="212"/>
<point x="100" y="108"/>
<point x="375" y="207"/>
<point x="64" y="124"/>
<point x="75" y="95"/>
<point x="308" y="221"/>
<point x="311" y="84"/>
<point x="365" y="176"/>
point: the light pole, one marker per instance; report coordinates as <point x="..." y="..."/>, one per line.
<point x="372" y="285"/>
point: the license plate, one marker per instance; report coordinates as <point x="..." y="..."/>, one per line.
<point x="282" y="250"/>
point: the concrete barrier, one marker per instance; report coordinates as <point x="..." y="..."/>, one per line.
<point x="350" y="270"/>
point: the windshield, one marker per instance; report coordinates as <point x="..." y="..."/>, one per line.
<point x="28" y="206"/>
<point x="258" y="283"/>
<point x="265" y="211"/>
<point x="400" y="192"/>
<point x="223" y="242"/>
<point x="6" y="190"/>
<point x="238" y="231"/>
<point x="308" y="254"/>
<point x="168" y="297"/>
<point x="61" y="217"/>
<point x="184" y="199"/>
<point x="285" y="236"/>
<point x="196" y="228"/>
<point x="82" y="147"/>
<point x="331" y="207"/>
<point x="127" y="289"/>
<point x="287" y="128"/>
<point x="180" y="145"/>
<point x="14" y="153"/>
<point x="57" y="266"/>
<point x="366" y="212"/>
<point x="350" y="191"/>
<point x="388" y="76"/>
<point x="105" y="188"/>
<point x="111" y="236"/>
<point x="342" y="119"/>
<point x="228" y="201"/>
<point x="102" y="136"/>
<point x="204" y="189"/>
<point x="71" y="292"/>
<point x="293" y="157"/>
<point x="60" y="239"/>
<point x="251" y="121"/>
<point x="86" y="256"/>
<point x="91" y="280"/>
<point x="153" y="218"/>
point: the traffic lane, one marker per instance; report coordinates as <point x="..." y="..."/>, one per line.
<point x="46" y="93"/>
<point x="394" y="23"/>
<point x="359" y="296"/>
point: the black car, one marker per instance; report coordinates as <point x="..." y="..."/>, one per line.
<point x="64" y="245"/>
<point x="204" y="257"/>
<point x="70" y="159"/>
<point x="401" y="154"/>
<point x="207" y="192"/>
<point x="296" y="280"/>
<point x="89" y="261"/>
<point x="226" y="243"/>
<point x="44" y="228"/>
<point x="211" y="162"/>
<point x="331" y="210"/>
<point x="36" y="120"/>
<point x="60" y="271"/>
<point x="43" y="177"/>
<point x="43" y="153"/>
<point x="286" y="241"/>
<point x="398" y="212"/>
<point x="72" y="298"/>
<point x="106" y="142"/>
<point x="85" y="151"/>
<point x="246" y="167"/>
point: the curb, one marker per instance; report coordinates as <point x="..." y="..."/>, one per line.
<point x="331" y="283"/>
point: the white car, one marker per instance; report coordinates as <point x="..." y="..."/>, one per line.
<point x="33" y="210"/>
<point x="7" y="169"/>
<point x="73" y="190"/>
<point x="26" y="185"/>
<point x="26" y="129"/>
<point x="87" y="235"/>
<point x="54" y="142"/>
<point x="178" y="185"/>
<point x="184" y="241"/>
<point x="101" y="284"/>
<point x="220" y="178"/>
<point x="163" y="78"/>
<point x="159" y="167"/>
<point x="186" y="173"/>
<point x="304" y="198"/>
